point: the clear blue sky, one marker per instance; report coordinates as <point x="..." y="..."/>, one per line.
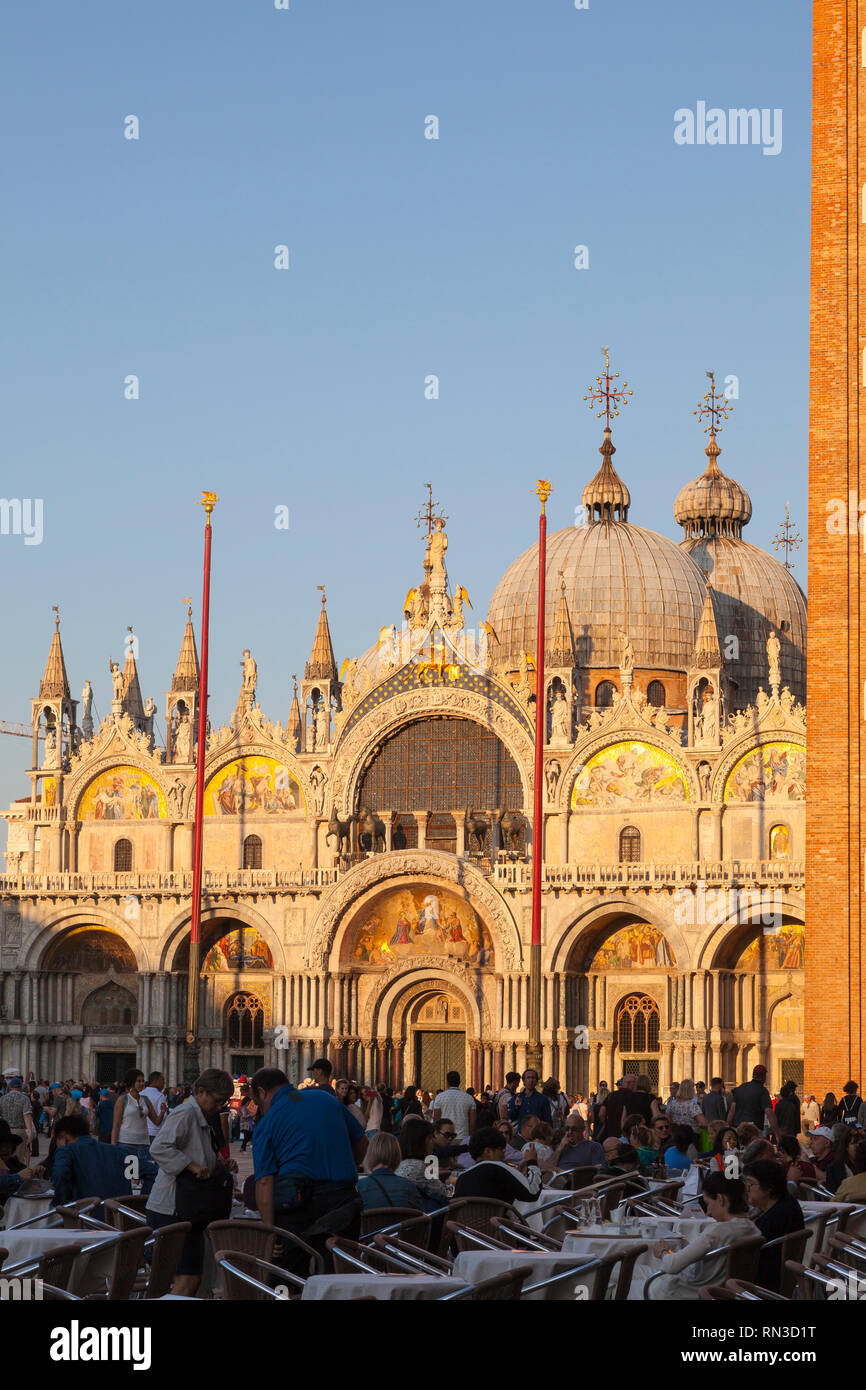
<point x="408" y="257"/>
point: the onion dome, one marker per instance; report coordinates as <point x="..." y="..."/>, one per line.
<point x="606" y="497"/>
<point x="713" y="504"/>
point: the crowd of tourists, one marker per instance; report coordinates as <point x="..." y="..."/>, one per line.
<point x="329" y="1148"/>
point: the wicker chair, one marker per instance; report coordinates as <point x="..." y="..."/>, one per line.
<point x="255" y="1238"/>
<point x="465" y="1238"/>
<point x="56" y="1265"/>
<point x="521" y="1237"/>
<point x="791" y="1248"/>
<point x="168" y="1242"/>
<point x="351" y="1258"/>
<point x="3" y="1256"/>
<point x="129" y="1247"/>
<point x="125" y="1213"/>
<point x="753" y="1293"/>
<point x="420" y="1261"/>
<point x="477" y="1212"/>
<point x="501" y="1289"/>
<point x="716" y="1293"/>
<point x="414" y="1223"/>
<point x="248" y="1279"/>
<point x="72" y="1212"/>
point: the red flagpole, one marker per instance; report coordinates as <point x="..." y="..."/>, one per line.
<point x="208" y="501"/>
<point x="543" y="491"/>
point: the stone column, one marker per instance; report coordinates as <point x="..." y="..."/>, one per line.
<point x="498" y="1068"/>
<point x="381" y="1062"/>
<point x="475" y="1063"/>
<point x="460" y="825"/>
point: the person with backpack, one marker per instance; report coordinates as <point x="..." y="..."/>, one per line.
<point x="850" y="1106"/>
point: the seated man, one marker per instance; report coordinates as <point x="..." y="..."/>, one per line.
<point x="490" y="1176"/>
<point x="445" y="1146"/>
<point x="85" y="1168"/>
<point x="829" y="1166"/>
<point x="575" y="1150"/>
<point x="621" y="1161"/>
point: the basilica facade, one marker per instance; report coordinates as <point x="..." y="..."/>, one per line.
<point x="368" y="863"/>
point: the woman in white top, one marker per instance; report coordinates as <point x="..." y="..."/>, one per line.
<point x="131" y="1113"/>
<point x="686" y="1270"/>
<point x="685" y="1109"/>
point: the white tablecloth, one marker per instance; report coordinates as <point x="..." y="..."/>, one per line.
<point x="529" y="1212"/>
<point x="475" y="1265"/>
<point x="32" y="1242"/>
<point x="23" y="1208"/>
<point x="607" y="1240"/>
<point x="383" y="1286"/>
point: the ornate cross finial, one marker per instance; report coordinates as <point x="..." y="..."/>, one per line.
<point x="787" y="537"/>
<point x="322" y="588"/>
<point x="425" y="516"/>
<point x="188" y="602"/>
<point x="715" y="405"/>
<point x="608" y="397"/>
<point x="56" y="611"/>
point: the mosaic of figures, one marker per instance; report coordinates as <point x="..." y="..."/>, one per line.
<point x="776" y="771"/>
<point x="122" y="793"/>
<point x="784" y="949"/>
<point x="91" y="950"/>
<point x="243" y="949"/>
<point x="626" y="773"/>
<point x="636" y="947"/>
<point x="415" y="922"/>
<point x="252" y="786"/>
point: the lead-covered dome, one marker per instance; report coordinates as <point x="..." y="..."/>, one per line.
<point x="615" y="575"/>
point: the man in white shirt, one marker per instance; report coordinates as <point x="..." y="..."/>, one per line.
<point x="458" y="1107"/>
<point x="154" y="1091"/>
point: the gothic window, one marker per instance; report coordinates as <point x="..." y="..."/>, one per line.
<point x="629" y="844"/>
<point x="252" y="852"/>
<point x="404" y="834"/>
<point x="245" y="1022"/>
<point x="604" y="693"/>
<point x="637" y="1027"/>
<point x="655" y="694"/>
<point x="441" y="764"/>
<point x="123" y="857"/>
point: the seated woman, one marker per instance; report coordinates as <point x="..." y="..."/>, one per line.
<point x="416" y="1146"/>
<point x="794" y="1160"/>
<point x="512" y="1153"/>
<point x="727" y="1141"/>
<point x="777" y="1213"/>
<point x="687" y="1270"/>
<point x="748" y="1133"/>
<point x="680" y="1156"/>
<point x="382" y="1187"/>
<point x="641" y="1140"/>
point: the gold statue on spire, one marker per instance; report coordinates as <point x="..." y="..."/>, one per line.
<point x="715" y="405"/>
<point x="608" y="397"/>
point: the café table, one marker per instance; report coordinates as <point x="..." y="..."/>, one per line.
<point x="91" y="1269"/>
<point x="24" y="1208"/>
<point x="610" y="1238"/>
<point x="381" y="1286"/>
<point x="476" y="1265"/>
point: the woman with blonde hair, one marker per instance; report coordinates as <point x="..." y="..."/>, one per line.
<point x="381" y="1187"/>
<point x="686" y="1108"/>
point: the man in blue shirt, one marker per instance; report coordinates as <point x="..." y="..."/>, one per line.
<point x="105" y="1116"/>
<point x="306" y="1149"/>
<point x="85" y="1168"/>
<point x="530" y="1101"/>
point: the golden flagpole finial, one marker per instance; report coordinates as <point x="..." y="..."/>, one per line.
<point x="209" y="501"/>
<point x="542" y="491"/>
<point x="713" y="405"/>
<point x="605" y="395"/>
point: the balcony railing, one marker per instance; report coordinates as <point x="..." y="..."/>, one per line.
<point x="174" y="881"/>
<point x="715" y="874"/>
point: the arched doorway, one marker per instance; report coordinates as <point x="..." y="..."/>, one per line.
<point x="90" y="987"/>
<point x="436" y="1038"/>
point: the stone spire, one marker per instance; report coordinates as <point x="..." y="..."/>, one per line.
<point x="708" y="652"/>
<point x="562" y="652"/>
<point x="186" y="673"/>
<point x="295" y="717"/>
<point x="321" y="665"/>
<point x="131" y="698"/>
<point x="55" y="682"/>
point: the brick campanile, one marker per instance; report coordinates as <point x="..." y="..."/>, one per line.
<point x="836" y="790"/>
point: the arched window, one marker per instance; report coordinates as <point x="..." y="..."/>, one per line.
<point x="629" y="844"/>
<point x="655" y="694"/>
<point x="245" y="1022"/>
<point x="123" y="857"/>
<point x="604" y="693"/>
<point x="637" y="1028"/>
<point x="404" y="834"/>
<point x="780" y="842"/>
<point x="441" y="764"/>
<point x="252" y="852"/>
<point x="111" y="1008"/>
